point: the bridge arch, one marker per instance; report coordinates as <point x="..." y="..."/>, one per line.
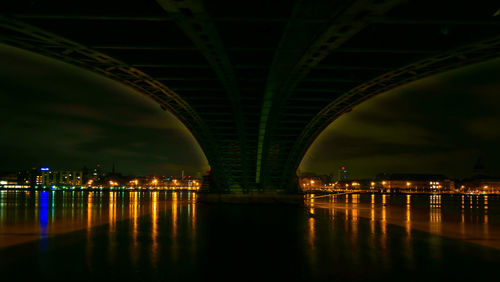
<point x="387" y="82"/>
<point x="47" y="44"/>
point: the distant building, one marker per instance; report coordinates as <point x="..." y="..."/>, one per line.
<point x="97" y="174"/>
<point x="343" y="174"/>
<point x="481" y="184"/>
<point x="62" y="178"/>
<point x="399" y="182"/>
<point x="31" y="177"/>
<point x="311" y="183"/>
<point x="8" y="178"/>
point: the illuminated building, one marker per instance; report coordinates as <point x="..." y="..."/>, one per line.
<point x="97" y="174"/>
<point x="31" y="177"/>
<point x="343" y="174"/>
<point x="8" y="179"/>
<point x="481" y="184"/>
<point x="311" y="183"/>
<point x="67" y="177"/>
<point x="414" y="183"/>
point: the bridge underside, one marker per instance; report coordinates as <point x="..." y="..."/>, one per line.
<point x="257" y="81"/>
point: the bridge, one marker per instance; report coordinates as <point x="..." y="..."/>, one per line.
<point x="257" y="81"/>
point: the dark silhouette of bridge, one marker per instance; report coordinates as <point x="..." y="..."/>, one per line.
<point x="257" y="81"/>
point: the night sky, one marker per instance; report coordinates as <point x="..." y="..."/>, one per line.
<point x="58" y="115"/>
<point x="440" y="124"/>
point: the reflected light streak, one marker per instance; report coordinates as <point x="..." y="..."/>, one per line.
<point x="311" y="205"/>
<point x="174" y="214"/>
<point x="311" y="233"/>
<point x="462" y="223"/>
<point x="134" y="214"/>
<point x="44" y="218"/>
<point x="89" y="228"/>
<point x="136" y="211"/>
<point x="408" y="219"/>
<point x="372" y="218"/>
<point x="2" y="207"/>
<point x="435" y="214"/>
<point x="355" y="198"/>
<point x="112" y="211"/>
<point x="154" y="228"/>
<point x="384" y="219"/>
<point x="193" y="215"/>
<point x="408" y="245"/>
<point x="383" y="227"/>
<point x="485" y="220"/>
<point x="89" y="212"/>
<point x="354" y="221"/>
<point x="112" y="227"/>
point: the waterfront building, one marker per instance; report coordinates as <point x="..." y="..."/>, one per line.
<point x="31" y="177"/>
<point x="8" y="179"/>
<point x="311" y="183"/>
<point x="64" y="177"/>
<point x="399" y="182"/>
<point x="481" y="184"/>
<point x="97" y="174"/>
<point x="343" y="174"/>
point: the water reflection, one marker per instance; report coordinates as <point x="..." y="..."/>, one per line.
<point x="154" y="228"/>
<point x="44" y="217"/>
<point x="112" y="211"/>
<point x="354" y="217"/>
<point x="42" y="214"/>
<point x="2" y="205"/>
<point x="383" y="227"/>
<point x="134" y="215"/>
<point x="169" y="235"/>
<point x="458" y="216"/>
<point x="435" y="214"/>
<point x="408" y="215"/>
<point x="193" y="214"/>
<point x="89" y="211"/>
<point x="174" y="214"/>
<point x="310" y="221"/>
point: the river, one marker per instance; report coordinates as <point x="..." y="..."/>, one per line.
<point x="169" y="236"/>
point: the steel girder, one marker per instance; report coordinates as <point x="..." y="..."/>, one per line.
<point x="197" y="24"/>
<point x="288" y="69"/>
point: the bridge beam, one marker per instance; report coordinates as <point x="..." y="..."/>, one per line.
<point x="195" y="21"/>
<point x="288" y="69"/>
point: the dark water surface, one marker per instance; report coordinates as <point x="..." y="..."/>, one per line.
<point x="167" y="236"/>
